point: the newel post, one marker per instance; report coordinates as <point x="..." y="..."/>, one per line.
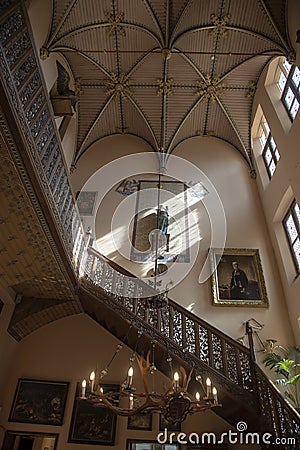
<point x="249" y="332"/>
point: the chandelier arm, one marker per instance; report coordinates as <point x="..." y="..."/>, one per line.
<point x="186" y="379"/>
<point x="149" y="403"/>
<point x="144" y="367"/>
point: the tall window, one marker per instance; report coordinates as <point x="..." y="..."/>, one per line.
<point x="292" y="228"/>
<point x="270" y="152"/>
<point x="289" y="85"/>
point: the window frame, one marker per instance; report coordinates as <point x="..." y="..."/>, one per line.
<point x="295" y="89"/>
<point x="291" y="212"/>
<point x="273" y="159"/>
<point x="266" y="131"/>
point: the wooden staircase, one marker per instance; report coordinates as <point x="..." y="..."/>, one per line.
<point x="116" y="300"/>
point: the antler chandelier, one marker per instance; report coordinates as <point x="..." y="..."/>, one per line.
<point x="175" y="402"/>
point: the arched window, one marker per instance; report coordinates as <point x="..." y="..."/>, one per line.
<point x="289" y="85"/>
<point x="291" y="224"/>
<point x="270" y="152"/>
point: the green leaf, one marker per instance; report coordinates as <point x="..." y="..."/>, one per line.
<point x="294" y="380"/>
<point x="272" y="359"/>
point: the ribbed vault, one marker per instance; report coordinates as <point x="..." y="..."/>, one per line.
<point x="167" y="70"/>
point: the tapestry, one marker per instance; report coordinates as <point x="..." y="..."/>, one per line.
<point x="161" y="228"/>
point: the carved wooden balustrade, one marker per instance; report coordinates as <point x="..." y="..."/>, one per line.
<point x="194" y="341"/>
<point x="28" y="103"/>
<point x="186" y="333"/>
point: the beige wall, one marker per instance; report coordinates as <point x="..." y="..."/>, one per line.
<point x="278" y="193"/>
<point x="68" y="350"/>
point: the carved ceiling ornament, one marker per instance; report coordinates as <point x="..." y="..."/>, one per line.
<point x="165" y="87"/>
<point x="118" y="86"/>
<point x="44" y="53"/>
<point x="251" y="89"/>
<point x="115" y="20"/>
<point x="210" y="88"/>
<point x="220" y="23"/>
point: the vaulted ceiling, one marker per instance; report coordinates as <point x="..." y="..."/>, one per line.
<point x="166" y="70"/>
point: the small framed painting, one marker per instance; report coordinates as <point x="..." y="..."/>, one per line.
<point x="142" y="421"/>
<point x="237" y="278"/>
<point x="93" y="424"/>
<point x="39" y="402"/>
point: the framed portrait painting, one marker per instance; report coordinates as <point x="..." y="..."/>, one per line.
<point x="93" y="424"/>
<point x="237" y="278"/>
<point x="39" y="402"/>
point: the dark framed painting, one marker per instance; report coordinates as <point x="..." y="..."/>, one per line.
<point x="39" y="402"/>
<point x="142" y="421"/>
<point x="237" y="278"/>
<point x="163" y="423"/>
<point x="24" y="440"/>
<point x="93" y="424"/>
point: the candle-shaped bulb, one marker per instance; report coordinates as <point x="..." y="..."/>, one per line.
<point x="92" y="380"/>
<point x="130" y="376"/>
<point x="197" y="396"/>
<point x="131" y="401"/>
<point x="101" y="392"/>
<point x="208" y="387"/>
<point x="215" y="394"/>
<point x="83" y="387"/>
<point x="176" y="379"/>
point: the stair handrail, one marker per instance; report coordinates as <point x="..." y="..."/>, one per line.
<point x="184" y="335"/>
<point x="218" y="352"/>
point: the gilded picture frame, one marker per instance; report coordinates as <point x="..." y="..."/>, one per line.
<point x="237" y="278"/>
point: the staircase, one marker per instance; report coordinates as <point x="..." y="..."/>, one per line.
<point x="116" y="300"/>
<point x="109" y="294"/>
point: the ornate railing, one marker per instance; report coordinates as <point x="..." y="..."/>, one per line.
<point x="196" y="342"/>
<point x="23" y="84"/>
<point x="187" y="335"/>
<point x="279" y="418"/>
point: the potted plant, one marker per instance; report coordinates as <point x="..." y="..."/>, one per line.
<point x="285" y="363"/>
